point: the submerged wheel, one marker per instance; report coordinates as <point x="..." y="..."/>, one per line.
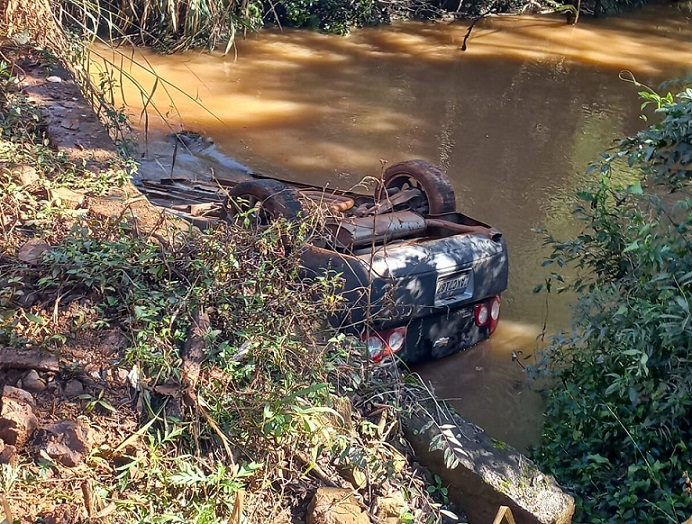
<point x="438" y="192"/>
<point x="263" y="201"/>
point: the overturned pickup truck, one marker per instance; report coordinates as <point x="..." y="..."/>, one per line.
<point x="421" y="280"/>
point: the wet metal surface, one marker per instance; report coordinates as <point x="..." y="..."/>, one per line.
<point x="514" y="121"/>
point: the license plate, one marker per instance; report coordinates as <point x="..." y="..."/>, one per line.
<point x="451" y="286"/>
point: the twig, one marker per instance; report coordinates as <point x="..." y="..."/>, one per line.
<point x="88" y="499"/>
<point x="475" y="21"/>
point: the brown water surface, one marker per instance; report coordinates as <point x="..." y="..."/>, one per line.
<point x="514" y="121"/>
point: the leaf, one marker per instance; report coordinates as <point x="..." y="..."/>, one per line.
<point x="35" y="319"/>
<point x="631" y="247"/>
<point x="598" y="459"/>
<point x="635" y="189"/>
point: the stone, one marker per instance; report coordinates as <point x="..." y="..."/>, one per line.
<point x="19" y="395"/>
<point x="335" y="506"/>
<point x="17" y="419"/>
<point x="9" y="455"/>
<point x="32" y="382"/>
<point x="32" y="252"/>
<point x="487" y="475"/>
<point x="27" y="175"/>
<point x="390" y="509"/>
<point x="120" y="375"/>
<point x="23" y="359"/>
<point x="67" y="197"/>
<point x="67" y="442"/>
<point x="72" y="388"/>
<point x="113" y="342"/>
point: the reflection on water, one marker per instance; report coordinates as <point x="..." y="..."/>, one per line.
<point x="514" y="121"/>
<point x="487" y="386"/>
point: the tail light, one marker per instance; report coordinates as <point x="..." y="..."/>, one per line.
<point x="481" y="314"/>
<point x="494" y="313"/>
<point x="487" y="313"/>
<point x="383" y="343"/>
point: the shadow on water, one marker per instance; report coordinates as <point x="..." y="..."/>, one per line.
<point x="514" y="121"/>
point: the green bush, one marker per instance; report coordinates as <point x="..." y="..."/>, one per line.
<point x="331" y="16"/>
<point x="618" y="424"/>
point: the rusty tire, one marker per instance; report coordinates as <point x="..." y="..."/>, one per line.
<point x="270" y="199"/>
<point x="434" y="184"/>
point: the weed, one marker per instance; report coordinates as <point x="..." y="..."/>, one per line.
<point x="439" y="490"/>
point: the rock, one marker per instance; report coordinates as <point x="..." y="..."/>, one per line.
<point x="26" y="297"/>
<point x="120" y="374"/>
<point x="17" y="419"/>
<point x="113" y="342"/>
<point x="72" y="388"/>
<point x="19" y="395"/>
<point x="9" y="455"/>
<point x="54" y="79"/>
<point x="14" y="359"/>
<point x="32" y="382"/>
<point x="66" y="442"/>
<point x="69" y="198"/>
<point x="487" y="475"/>
<point x="26" y="175"/>
<point x="335" y="506"/>
<point x="32" y="252"/>
<point x="94" y="372"/>
<point x="389" y="509"/>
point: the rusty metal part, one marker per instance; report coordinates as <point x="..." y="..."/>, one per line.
<point x="342" y="207"/>
<point x="351" y="233"/>
<point x="398" y="198"/>
<point x="490" y="232"/>
<point x="335" y="203"/>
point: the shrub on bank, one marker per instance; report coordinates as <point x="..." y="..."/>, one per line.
<point x="618" y="424"/>
<point x="175" y="25"/>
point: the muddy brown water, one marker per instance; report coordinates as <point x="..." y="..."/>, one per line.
<point x="514" y="121"/>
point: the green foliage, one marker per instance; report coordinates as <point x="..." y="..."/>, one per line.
<point x="331" y="16"/>
<point x="618" y="428"/>
<point x="439" y="489"/>
<point x="663" y="151"/>
<point x="185" y="488"/>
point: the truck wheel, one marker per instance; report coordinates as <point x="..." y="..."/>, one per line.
<point x="436" y="187"/>
<point x="265" y="200"/>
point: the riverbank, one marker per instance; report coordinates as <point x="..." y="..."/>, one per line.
<point x="136" y="386"/>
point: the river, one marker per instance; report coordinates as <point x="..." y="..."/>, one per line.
<point x="514" y="121"/>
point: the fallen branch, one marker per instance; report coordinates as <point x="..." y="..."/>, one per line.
<point x="193" y="350"/>
<point x="475" y="21"/>
<point x="193" y="355"/>
<point x="28" y="359"/>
